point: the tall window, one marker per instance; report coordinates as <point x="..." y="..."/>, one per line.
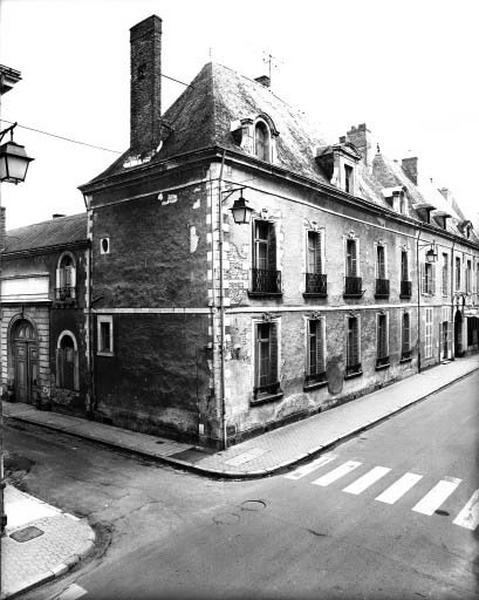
<point x="314" y="262"/>
<point x="445" y="274"/>
<point x="458" y="273"/>
<point x="316" y="363"/>
<point x="266" y="359"/>
<point x="468" y="276"/>
<point x="381" y="262"/>
<point x="382" y="353"/>
<point x="262" y="147"/>
<point x="105" y="335"/>
<point x="353" y="359"/>
<point x="265" y="277"/>
<point x="351" y="258"/>
<point x="428" y="333"/>
<point x="406" y="337"/>
<point x="348" y="179"/>
<point x="67" y="362"/>
<point x="428" y="282"/>
<point x="404" y="266"/>
<point x="66" y="278"/>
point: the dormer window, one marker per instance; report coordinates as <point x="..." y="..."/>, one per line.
<point x="338" y="164"/>
<point x="65" y="289"/>
<point x="348" y="179"/>
<point x="262" y="141"/>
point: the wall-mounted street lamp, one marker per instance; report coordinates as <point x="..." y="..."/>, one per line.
<point x="241" y="211"/>
<point x="431" y="254"/>
<point x="13" y="159"/>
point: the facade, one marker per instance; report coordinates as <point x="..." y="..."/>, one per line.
<point x="353" y="272"/>
<point x="43" y="326"/>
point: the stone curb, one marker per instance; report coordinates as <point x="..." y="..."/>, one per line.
<point x="57" y="571"/>
<point x="241" y="475"/>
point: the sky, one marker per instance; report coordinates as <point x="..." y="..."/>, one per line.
<point x="407" y="68"/>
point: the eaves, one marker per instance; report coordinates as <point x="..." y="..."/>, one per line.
<point x="45" y="249"/>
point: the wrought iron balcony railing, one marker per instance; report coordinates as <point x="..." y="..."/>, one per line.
<point x="382" y="288"/>
<point x="65" y="294"/>
<point x="265" y="281"/>
<point x="353" y="287"/>
<point x="316" y="284"/>
<point x="406" y="289"/>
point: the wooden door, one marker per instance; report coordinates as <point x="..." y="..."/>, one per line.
<point x="25" y="355"/>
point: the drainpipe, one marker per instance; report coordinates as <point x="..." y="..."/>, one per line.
<point x="418" y="277"/>
<point x="221" y="305"/>
<point x="453" y="330"/>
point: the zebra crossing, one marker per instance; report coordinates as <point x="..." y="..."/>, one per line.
<point x="468" y="516"/>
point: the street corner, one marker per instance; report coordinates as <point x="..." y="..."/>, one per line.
<point x="36" y="550"/>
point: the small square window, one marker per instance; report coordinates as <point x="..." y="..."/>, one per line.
<point x="105" y="245"/>
<point x="105" y="335"/>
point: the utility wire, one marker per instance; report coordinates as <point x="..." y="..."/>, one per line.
<point x="61" y="137"/>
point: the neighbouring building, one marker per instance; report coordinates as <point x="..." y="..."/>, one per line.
<point x="44" y="351"/>
<point x="354" y="271"/>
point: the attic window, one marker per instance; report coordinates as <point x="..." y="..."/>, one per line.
<point x="262" y="146"/>
<point x="348" y="179"/>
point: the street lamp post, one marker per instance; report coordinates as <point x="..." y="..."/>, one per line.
<point x="13" y="169"/>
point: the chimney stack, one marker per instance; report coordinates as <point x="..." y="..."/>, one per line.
<point x="409" y="166"/>
<point x="145" y="90"/>
<point x="360" y="136"/>
<point x="264" y="80"/>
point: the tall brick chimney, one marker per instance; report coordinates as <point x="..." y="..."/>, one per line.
<point x="145" y="85"/>
<point x="409" y="166"/>
<point x="360" y="136"/>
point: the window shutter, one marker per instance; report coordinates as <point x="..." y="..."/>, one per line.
<point x="58" y="279"/>
<point x="423" y="278"/>
<point x="271" y="248"/>
<point x="354" y="270"/>
<point x="257" y="369"/>
<point x="319" y="347"/>
<point x="433" y="279"/>
<point x="73" y="281"/>
<point x="273" y="345"/>
<point x="318" y="263"/>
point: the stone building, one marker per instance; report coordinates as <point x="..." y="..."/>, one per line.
<point x="354" y="271"/>
<point x="44" y="350"/>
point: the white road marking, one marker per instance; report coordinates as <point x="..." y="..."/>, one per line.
<point x="72" y="592"/>
<point x="366" y="480"/>
<point x="469" y="515"/>
<point x="398" y="488"/>
<point x="335" y="474"/>
<point x="309" y="468"/>
<point x="436" y="496"/>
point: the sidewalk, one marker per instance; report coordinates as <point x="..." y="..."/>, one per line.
<point x="268" y="453"/>
<point x="41" y="542"/>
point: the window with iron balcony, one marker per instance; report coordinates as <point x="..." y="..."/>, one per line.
<point x="265" y="278"/>
<point x="382" y="284"/>
<point x="65" y="288"/>
<point x="316" y="281"/>
<point x="352" y="283"/>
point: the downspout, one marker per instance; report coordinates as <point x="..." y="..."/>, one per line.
<point x="453" y="329"/>
<point x="91" y="367"/>
<point x="221" y="306"/>
<point x="418" y="277"/>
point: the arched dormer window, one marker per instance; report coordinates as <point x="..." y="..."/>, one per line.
<point x="65" y="289"/>
<point x="67" y="362"/>
<point x="262" y="141"/>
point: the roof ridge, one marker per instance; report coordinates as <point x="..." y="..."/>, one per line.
<point x="53" y="220"/>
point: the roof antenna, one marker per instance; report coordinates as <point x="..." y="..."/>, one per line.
<point x="271" y="61"/>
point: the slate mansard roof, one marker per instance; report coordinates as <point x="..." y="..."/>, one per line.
<point x="60" y="231"/>
<point x="203" y="115"/>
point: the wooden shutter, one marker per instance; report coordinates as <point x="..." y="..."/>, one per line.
<point x="273" y="344"/>
<point x="433" y="279"/>
<point x="318" y="262"/>
<point x="381" y="263"/>
<point x="423" y="278"/>
<point x="58" y="278"/>
<point x="405" y="333"/>
<point x="319" y="347"/>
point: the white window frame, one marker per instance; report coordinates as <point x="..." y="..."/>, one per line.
<point x="108" y="250"/>
<point x="322" y="329"/>
<point x="360" y="358"/>
<point x="408" y="273"/>
<point x="60" y="269"/>
<point x="385" y="247"/>
<point x="346" y="237"/>
<point x="378" y="315"/>
<point x="254" y="325"/>
<point x="104" y="319"/>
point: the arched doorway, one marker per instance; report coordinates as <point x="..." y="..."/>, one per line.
<point x="458" y="351"/>
<point x="25" y="360"/>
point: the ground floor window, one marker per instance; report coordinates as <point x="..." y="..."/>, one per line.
<point x="382" y="351"/>
<point x="406" y="337"/>
<point x="266" y="359"/>
<point x="428" y="333"/>
<point x="67" y="361"/>
<point x="353" y="358"/>
<point x="105" y="335"/>
<point x="315" y="371"/>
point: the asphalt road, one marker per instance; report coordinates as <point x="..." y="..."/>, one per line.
<point x="383" y="515"/>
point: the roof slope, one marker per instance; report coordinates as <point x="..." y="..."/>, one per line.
<point x="56" y="232"/>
